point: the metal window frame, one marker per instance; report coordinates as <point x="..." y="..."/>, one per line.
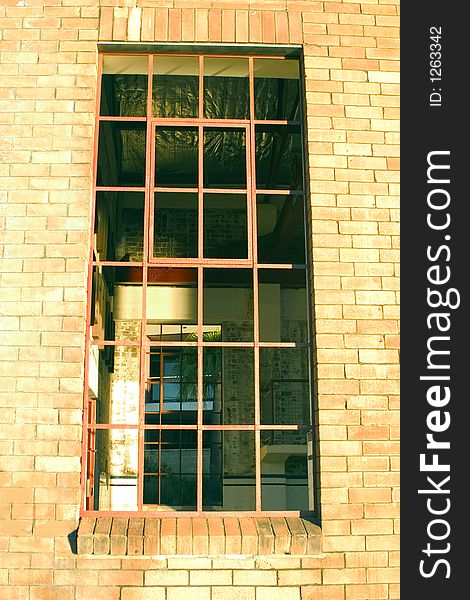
<point x="90" y="427"/>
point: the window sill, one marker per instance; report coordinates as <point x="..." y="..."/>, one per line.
<point x="197" y="536"/>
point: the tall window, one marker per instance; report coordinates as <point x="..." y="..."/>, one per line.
<point x="197" y="394"/>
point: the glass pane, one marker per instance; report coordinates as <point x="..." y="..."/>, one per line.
<point x="229" y="397"/>
<point x="171" y="301"/>
<point x="284" y="386"/>
<point x="119" y="226"/>
<point x="175" y="225"/>
<point x="282" y="305"/>
<point x="228" y="303"/>
<point x="286" y="468"/>
<point x="225" y="226"/>
<point x="281" y="231"/>
<point x="279" y="162"/>
<point x="224" y="158"/>
<point x="121" y="154"/>
<point x="124" y="86"/>
<point x="116" y="305"/>
<point x="115" y="469"/>
<point x="114" y="382"/>
<point x="170" y="465"/>
<point x="176" y="157"/>
<point x="226" y="88"/>
<point x="171" y="390"/>
<point x="276" y="89"/>
<point x="175" y="91"/>
<point x="228" y="466"/>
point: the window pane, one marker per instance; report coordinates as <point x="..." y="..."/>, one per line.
<point x="282" y="305"/>
<point x="121" y="154"/>
<point x="228" y="470"/>
<point x="175" y="225"/>
<point x="124" y="86"/>
<point x="116" y="467"/>
<point x="116" y="304"/>
<point x="171" y="390"/>
<point x="176" y="152"/>
<point x="228" y="303"/>
<point x="170" y="464"/>
<point x="224" y="158"/>
<point x="175" y="91"/>
<point x="175" y="332"/>
<point x="226" y="88"/>
<point x="276" y="89"/>
<point x="114" y="382"/>
<point x="229" y="397"/>
<point x="119" y="226"/>
<point x="225" y="226"/>
<point x="281" y="231"/>
<point x="284" y="386"/>
<point x="279" y="162"/>
<point x="285" y="470"/>
<point x="171" y="301"/>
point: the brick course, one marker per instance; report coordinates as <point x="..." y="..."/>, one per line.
<point x="47" y="91"/>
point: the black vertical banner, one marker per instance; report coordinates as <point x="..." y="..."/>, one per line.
<point x="435" y="260"/>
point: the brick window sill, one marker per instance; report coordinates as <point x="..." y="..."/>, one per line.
<point x="197" y="536"/>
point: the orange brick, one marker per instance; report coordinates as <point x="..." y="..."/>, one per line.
<point x="106" y="593"/>
<point x="230" y="593"/>
<point x="228" y="25"/>
<point x="241" y="29"/>
<point x="366" y="592"/>
<point x="215" y="24"/>
<point x="329" y="592"/>
<point x="174" y="24"/>
<point x="161" y="24"/>
<point x="281" y="27"/>
<point x="148" y="25"/>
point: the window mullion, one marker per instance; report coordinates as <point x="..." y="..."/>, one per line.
<point x="144" y="357"/>
<point x="200" y="390"/>
<point x="200" y="273"/>
<point x="252" y="247"/>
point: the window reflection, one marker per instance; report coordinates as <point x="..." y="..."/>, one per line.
<point x="175" y="225"/>
<point x="115" y="469"/>
<point x="277" y="93"/>
<point x="225" y="157"/>
<point x="171" y="396"/>
<point x="281" y="228"/>
<point x="229" y="470"/>
<point x="283" y="305"/>
<point x="279" y="162"/>
<point x="284" y="386"/>
<point x="121" y="154"/>
<point x="228" y="301"/>
<point x="124" y="86"/>
<point x="176" y="157"/>
<point x="286" y="468"/>
<point x="225" y="226"/>
<point x="175" y="87"/>
<point x="170" y="469"/>
<point x="226" y="88"/>
<point x="119" y="226"/>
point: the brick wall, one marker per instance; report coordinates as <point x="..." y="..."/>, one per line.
<point x="47" y="101"/>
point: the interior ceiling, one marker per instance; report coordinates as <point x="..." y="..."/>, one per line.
<point x="189" y="65"/>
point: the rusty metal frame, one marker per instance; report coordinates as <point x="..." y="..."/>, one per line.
<point x="198" y="263"/>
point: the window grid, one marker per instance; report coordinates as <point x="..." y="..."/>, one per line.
<point x="200" y="262"/>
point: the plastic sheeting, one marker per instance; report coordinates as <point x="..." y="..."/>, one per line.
<point x="224" y="150"/>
